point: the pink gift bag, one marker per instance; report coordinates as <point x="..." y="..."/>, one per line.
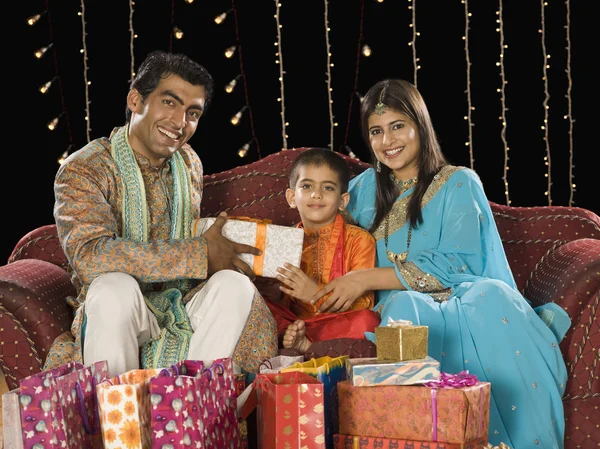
<point x="58" y="406"/>
<point x="195" y="401"/>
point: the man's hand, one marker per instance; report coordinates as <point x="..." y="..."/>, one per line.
<point x="223" y="253"/>
<point x="344" y="291"/>
<point x="297" y="283"/>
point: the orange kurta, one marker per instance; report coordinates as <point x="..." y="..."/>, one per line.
<point x="329" y="252"/>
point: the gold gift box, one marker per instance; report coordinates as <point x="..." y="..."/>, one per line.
<point x="401" y="343"/>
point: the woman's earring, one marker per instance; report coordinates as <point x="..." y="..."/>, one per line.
<point x="378" y="166"/>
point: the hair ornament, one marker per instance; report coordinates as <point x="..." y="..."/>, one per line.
<point x="380" y="107"/>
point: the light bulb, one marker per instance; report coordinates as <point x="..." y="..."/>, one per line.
<point x="366" y="51"/>
<point x="63" y="157"/>
<point x="244" y="150"/>
<point x="33" y="19"/>
<point x="230" y="51"/>
<point x="177" y="33"/>
<point x="229" y="88"/>
<point x="220" y="18"/>
<point x="236" y="118"/>
<point x="52" y="124"/>
<point x="44" y="87"/>
<point x="39" y="53"/>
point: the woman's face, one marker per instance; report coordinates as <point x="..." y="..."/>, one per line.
<point x="394" y="138"/>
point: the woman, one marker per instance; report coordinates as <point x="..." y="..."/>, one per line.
<point x="440" y="263"/>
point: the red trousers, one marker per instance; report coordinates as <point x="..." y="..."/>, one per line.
<point x="349" y="324"/>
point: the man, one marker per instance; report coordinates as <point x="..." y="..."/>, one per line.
<point x="124" y="208"/>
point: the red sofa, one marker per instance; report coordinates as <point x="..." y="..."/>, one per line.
<point x="554" y="253"/>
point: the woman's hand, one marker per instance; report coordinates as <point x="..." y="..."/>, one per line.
<point x="344" y="291"/>
<point x="298" y="284"/>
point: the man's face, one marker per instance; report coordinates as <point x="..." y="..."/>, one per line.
<point x="166" y="120"/>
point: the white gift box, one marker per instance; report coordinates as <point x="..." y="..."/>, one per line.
<point x="280" y="244"/>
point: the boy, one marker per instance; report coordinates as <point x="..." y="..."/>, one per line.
<point x="319" y="189"/>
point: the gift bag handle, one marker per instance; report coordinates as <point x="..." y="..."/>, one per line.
<point x="96" y="427"/>
<point x="266" y="363"/>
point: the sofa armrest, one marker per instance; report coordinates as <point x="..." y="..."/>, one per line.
<point x="33" y="296"/>
<point x="570" y="276"/>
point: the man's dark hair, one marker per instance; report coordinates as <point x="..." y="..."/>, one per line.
<point x="159" y="65"/>
<point x="317" y="157"/>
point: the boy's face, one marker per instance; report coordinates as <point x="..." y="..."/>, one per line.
<point x="317" y="196"/>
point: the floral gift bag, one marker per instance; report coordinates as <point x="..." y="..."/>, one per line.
<point x="124" y="409"/>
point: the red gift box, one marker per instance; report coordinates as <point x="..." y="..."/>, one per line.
<point x="418" y="413"/>
<point x="355" y="442"/>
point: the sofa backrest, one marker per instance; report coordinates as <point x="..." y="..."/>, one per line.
<point x="258" y="190"/>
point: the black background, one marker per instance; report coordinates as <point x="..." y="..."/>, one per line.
<point x="31" y="150"/>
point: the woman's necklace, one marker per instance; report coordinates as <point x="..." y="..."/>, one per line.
<point x="403" y="185"/>
<point x="393" y="257"/>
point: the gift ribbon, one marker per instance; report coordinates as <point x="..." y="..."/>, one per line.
<point x="92" y="430"/>
<point x="447" y="380"/>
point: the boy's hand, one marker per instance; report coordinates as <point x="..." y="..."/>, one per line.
<point x="297" y="283"/>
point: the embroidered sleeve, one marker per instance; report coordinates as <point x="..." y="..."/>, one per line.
<point x="88" y="219"/>
<point x="418" y="280"/>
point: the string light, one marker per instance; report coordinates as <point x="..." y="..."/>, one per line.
<point x="413" y="42"/>
<point x="328" y="80"/>
<point x="189" y="2"/>
<point x="279" y="60"/>
<point x="231" y="85"/>
<point x="242" y="152"/>
<point x="132" y="36"/>
<point x="545" y="126"/>
<point x="242" y="76"/>
<point x="358" y="58"/>
<point x="42" y="51"/>
<point x="366" y="51"/>
<point x="238" y="116"/>
<point x="63" y="157"/>
<point x="221" y="17"/>
<point x="230" y="51"/>
<point x="470" y="107"/>
<point x="177" y="33"/>
<point x="34" y="19"/>
<point x="85" y="70"/>
<point x="44" y="87"/>
<point x="502" y="91"/>
<point x="52" y="124"/>
<point x="569" y="115"/>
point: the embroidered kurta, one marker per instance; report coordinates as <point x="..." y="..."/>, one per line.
<point x="458" y="282"/>
<point x="329" y="252"/>
<point x="88" y="214"/>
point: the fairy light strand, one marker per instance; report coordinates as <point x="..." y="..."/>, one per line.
<point x="243" y="77"/>
<point x="413" y="43"/>
<point x="85" y="73"/>
<point x="172" y="33"/>
<point x="358" y="57"/>
<point x="545" y="126"/>
<point x="329" y="65"/>
<point x="131" y="38"/>
<point x="470" y="108"/>
<point x="502" y="91"/>
<point x="59" y="79"/>
<point x="569" y="116"/>
<point x="281" y="73"/>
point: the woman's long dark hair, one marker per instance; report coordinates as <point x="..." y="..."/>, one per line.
<point x="402" y="96"/>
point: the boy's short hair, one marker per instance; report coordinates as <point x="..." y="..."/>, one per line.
<point x="317" y="157"/>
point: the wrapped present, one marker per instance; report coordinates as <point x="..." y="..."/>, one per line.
<point x="356" y="442"/>
<point x="372" y="371"/>
<point x="11" y="420"/>
<point x="124" y="407"/>
<point x="329" y="371"/>
<point x="401" y="340"/>
<point x="290" y="410"/>
<point x="279" y="244"/>
<point x="453" y="409"/>
<point x="58" y="406"/>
